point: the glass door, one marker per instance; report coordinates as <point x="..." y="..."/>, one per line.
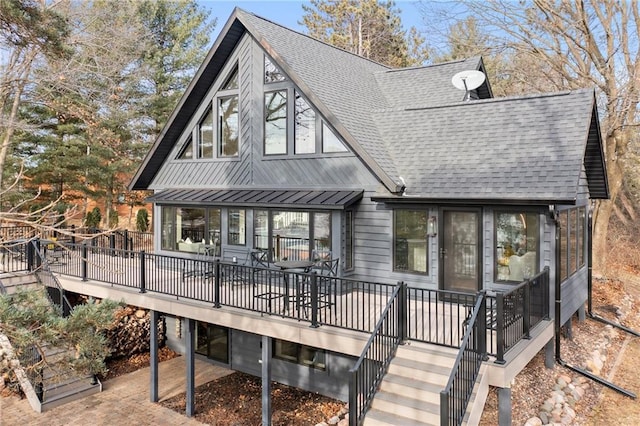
<point x="460" y="250"/>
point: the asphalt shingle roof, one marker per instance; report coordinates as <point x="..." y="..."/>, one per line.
<point x="412" y="125"/>
<point x="528" y="148"/>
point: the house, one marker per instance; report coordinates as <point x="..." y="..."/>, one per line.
<point x="287" y="144"/>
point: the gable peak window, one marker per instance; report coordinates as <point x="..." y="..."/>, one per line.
<point x="205" y="135"/>
<point x="305" y="126"/>
<point x="330" y="142"/>
<point x="232" y="80"/>
<point x="275" y="125"/>
<point x="186" y="153"/>
<point x="272" y="73"/>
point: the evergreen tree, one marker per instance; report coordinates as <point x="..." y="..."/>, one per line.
<point x="368" y="28"/>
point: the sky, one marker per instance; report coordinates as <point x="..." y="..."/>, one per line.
<point x="289" y="12"/>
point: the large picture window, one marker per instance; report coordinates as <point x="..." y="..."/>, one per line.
<point x="228" y="126"/>
<point x="189" y="229"/>
<point x="237" y="227"/>
<point x="205" y="136"/>
<point x="410" y="241"/>
<point x="517" y="245"/>
<point x="305" y="128"/>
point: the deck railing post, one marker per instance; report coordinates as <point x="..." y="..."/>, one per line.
<point x="143" y="274"/>
<point x="500" y="328"/>
<point x="112" y="243"/>
<point x="216" y="283"/>
<point x="353" y="398"/>
<point x="85" y="254"/>
<point x="482" y="326"/>
<point x="402" y="312"/>
<point x="314" y="300"/>
<point x="526" y="320"/>
<point x="444" y="408"/>
<point x="125" y="243"/>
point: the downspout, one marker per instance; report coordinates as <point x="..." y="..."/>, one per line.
<point x="558" y="311"/>
<point x="590" y="285"/>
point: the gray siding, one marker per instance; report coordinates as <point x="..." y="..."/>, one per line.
<point x="333" y="382"/>
<point x="252" y="168"/>
<point x="574" y="293"/>
<point x="175" y="335"/>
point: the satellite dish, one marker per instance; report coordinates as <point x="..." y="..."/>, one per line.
<point x="468" y="80"/>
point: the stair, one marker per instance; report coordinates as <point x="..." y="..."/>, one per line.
<point x="410" y="391"/>
<point x="56" y="390"/>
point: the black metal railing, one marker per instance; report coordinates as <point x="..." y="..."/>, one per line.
<point x="455" y="397"/>
<point x="511" y="315"/>
<point x="13" y="256"/>
<point x="314" y="298"/>
<point x="45" y="277"/>
<point x="438" y="316"/>
<point x="367" y="373"/>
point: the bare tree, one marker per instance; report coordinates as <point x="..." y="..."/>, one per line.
<point x="570" y="44"/>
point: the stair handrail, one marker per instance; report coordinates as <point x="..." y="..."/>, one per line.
<point x="455" y="397"/>
<point x="44" y="271"/>
<point x="364" y="376"/>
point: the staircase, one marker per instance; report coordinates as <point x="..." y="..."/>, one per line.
<point x="410" y="392"/>
<point x="55" y="389"/>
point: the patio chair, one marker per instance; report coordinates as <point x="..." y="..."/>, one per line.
<point x="264" y="272"/>
<point x="202" y="266"/>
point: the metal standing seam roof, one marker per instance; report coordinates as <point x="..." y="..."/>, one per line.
<point x="259" y="198"/>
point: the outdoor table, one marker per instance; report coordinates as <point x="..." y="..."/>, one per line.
<point x="304" y="265"/>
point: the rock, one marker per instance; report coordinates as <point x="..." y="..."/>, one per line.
<point x="592" y="368"/>
<point x="343" y="422"/>
<point x="140" y="313"/>
<point x="566" y="379"/>
<point x="544" y="417"/>
<point x="570" y="412"/>
<point x="534" y="421"/>
<point x="321" y="424"/>
<point x="547" y="406"/>
<point x="334" y="420"/>
<point x="578" y="392"/>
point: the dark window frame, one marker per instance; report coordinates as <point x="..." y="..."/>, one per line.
<point x="299" y="359"/>
<point x="395" y="262"/>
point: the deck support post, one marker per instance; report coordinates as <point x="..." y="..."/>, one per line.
<point x="582" y="313"/>
<point x="191" y="370"/>
<point x="504" y="406"/>
<point x="153" y="356"/>
<point x="549" y="358"/>
<point x="266" y="381"/>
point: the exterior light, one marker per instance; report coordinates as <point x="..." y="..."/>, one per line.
<point x="432" y="226"/>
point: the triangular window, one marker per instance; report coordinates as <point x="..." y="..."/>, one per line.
<point x="330" y="142"/>
<point x="186" y="153"/>
<point x="272" y="73"/>
<point x="232" y="80"/>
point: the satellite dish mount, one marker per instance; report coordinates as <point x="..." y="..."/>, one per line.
<point x="468" y="81"/>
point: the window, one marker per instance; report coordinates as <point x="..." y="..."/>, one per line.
<point x="292" y="234"/>
<point x="305" y="128"/>
<point x="212" y="341"/>
<point x="272" y="73"/>
<point x="330" y="142"/>
<point x="572" y="240"/>
<point x="300" y="354"/>
<point x="205" y="136"/>
<point x="275" y="122"/>
<point x="228" y="126"/>
<point x="517" y="245"/>
<point x="228" y="123"/>
<point x="187" y="151"/>
<point x="290" y="122"/>
<point x="187" y="229"/>
<point x="410" y="241"/>
<point x="237" y="227"/>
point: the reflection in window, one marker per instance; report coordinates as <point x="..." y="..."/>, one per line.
<point x="187" y="151"/>
<point x="212" y="341"/>
<point x="305" y="127"/>
<point x="275" y="127"/>
<point x="228" y="126"/>
<point x="330" y="142"/>
<point x="300" y="354"/>
<point x="573" y="241"/>
<point x="237" y="227"/>
<point x="188" y="229"/>
<point x="322" y="232"/>
<point x="205" y="140"/>
<point x="272" y="73"/>
<point x="517" y="245"/>
<point x="410" y="243"/>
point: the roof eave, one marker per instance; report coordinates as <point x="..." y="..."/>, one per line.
<point x="405" y="200"/>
